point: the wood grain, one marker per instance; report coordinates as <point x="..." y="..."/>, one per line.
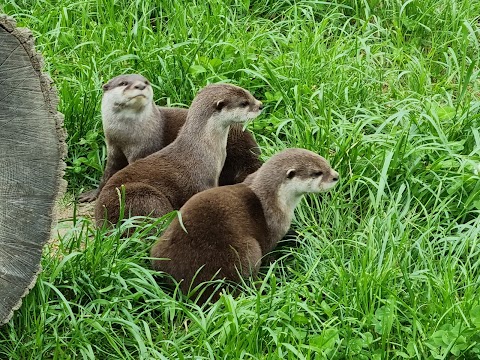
<point x="32" y="149"/>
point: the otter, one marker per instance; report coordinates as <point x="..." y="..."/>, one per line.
<point x="135" y="127"/>
<point x="224" y="232"/>
<point x="165" y="180"/>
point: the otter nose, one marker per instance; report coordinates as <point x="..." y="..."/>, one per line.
<point x="335" y="176"/>
<point x="140" y="86"/>
<point x="260" y="105"/>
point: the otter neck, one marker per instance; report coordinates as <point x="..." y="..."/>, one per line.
<point x="278" y="207"/>
<point x="206" y="145"/>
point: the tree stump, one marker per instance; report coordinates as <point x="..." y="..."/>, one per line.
<point x="32" y="149"/>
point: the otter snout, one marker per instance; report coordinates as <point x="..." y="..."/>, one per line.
<point x="139" y="86"/>
<point x="330" y="181"/>
<point x="255" y="109"/>
<point x="335" y="176"/>
<point x="259" y="105"/>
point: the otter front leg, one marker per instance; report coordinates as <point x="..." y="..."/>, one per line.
<point x="116" y="161"/>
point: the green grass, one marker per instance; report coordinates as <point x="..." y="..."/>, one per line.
<point x="387" y="265"/>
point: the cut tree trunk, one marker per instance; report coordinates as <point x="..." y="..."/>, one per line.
<point x="32" y="149"/>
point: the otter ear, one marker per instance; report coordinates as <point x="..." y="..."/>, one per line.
<point x="291" y="173"/>
<point x="105" y="87"/>
<point x="220" y="104"/>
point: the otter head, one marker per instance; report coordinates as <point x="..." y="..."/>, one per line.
<point x="129" y="94"/>
<point x="292" y="173"/>
<point x="308" y="173"/>
<point x="281" y="182"/>
<point x="226" y="104"/>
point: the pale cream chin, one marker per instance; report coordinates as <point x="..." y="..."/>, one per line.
<point x="147" y="93"/>
<point x="253" y="114"/>
<point x="328" y="186"/>
<point x="138" y="102"/>
<point x="241" y="115"/>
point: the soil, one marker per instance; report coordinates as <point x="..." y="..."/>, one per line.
<point x="64" y="214"/>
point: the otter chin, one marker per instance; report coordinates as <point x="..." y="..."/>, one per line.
<point x="225" y="231"/>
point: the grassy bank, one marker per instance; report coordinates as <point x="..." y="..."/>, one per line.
<point x="387" y="264"/>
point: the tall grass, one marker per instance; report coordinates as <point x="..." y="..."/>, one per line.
<point x="385" y="266"/>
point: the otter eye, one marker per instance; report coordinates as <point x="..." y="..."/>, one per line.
<point x="123" y="83"/>
<point x="244" y="103"/>
<point x="317" y="174"/>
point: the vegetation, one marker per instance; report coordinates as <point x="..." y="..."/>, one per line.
<point x="386" y="266"/>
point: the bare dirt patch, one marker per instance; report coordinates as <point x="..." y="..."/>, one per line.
<point x="68" y="213"/>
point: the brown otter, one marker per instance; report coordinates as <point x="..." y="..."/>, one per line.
<point x="135" y="127"/>
<point x="166" y="179"/>
<point x="230" y="228"/>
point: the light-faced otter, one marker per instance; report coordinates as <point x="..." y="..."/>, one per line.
<point x="135" y="127"/>
<point x="230" y="228"/>
<point x="166" y="179"/>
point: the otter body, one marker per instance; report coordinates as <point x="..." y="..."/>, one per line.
<point x="135" y="127"/>
<point x="166" y="179"/>
<point x="230" y="228"/>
